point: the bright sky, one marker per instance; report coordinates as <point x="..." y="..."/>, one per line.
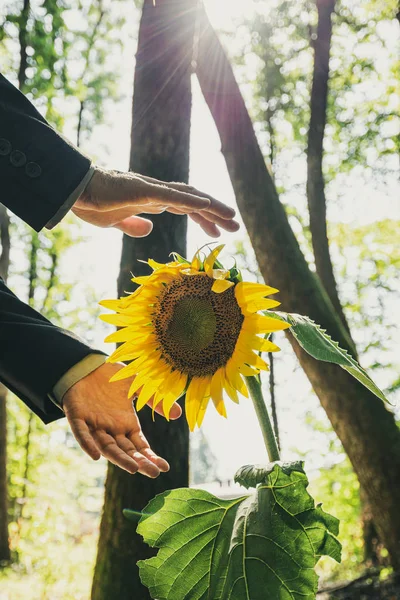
<point x="235" y="441"/>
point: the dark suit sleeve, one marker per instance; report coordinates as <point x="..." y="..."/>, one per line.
<point x="39" y="169"/>
<point x="34" y="354"/>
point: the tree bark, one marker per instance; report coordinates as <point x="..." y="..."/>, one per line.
<point x="365" y="427"/>
<point x="23" y="43"/>
<point x="317" y="203"/>
<point x="4" y="266"/>
<point x="5" y="240"/>
<point x="315" y="178"/>
<point x="160" y="148"/>
<point x="5" y="555"/>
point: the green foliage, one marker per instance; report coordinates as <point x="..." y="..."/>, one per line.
<point x="361" y="136"/>
<point x="54" y="525"/>
<point x="241" y="548"/>
<point x="67" y="47"/>
<point x="367" y="259"/>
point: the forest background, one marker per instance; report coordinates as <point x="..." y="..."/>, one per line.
<point x="75" y="61"/>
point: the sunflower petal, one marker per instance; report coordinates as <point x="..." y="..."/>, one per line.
<point x="111" y="304"/>
<point x="256" y="305"/>
<point x="142" y="279"/>
<point x="118" y="320"/>
<point x="158" y="398"/>
<point x="216" y="392"/>
<point x="155" y="265"/>
<point x="235" y="378"/>
<point x="246" y="292"/>
<point x="147" y="391"/>
<point x="260" y="344"/>
<point x="128" y="334"/>
<point x="261" y="324"/>
<point x="125" y="372"/>
<point x="191" y="401"/>
<point x="247" y="371"/>
<point x="253" y="360"/>
<point x="203" y="393"/>
<point x="177" y="387"/>
<point x="221" y="285"/>
<point x="196" y="262"/>
<point x="232" y="393"/>
<point x="202" y="410"/>
<point x="211" y="258"/>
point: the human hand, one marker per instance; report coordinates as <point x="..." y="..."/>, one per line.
<point x="104" y="422"/>
<point x="114" y="199"/>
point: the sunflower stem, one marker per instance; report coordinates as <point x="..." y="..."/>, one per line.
<point x="254" y="386"/>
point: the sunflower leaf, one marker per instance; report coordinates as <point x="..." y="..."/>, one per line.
<point x="214" y="549"/>
<point x="250" y="476"/>
<point x="316" y="342"/>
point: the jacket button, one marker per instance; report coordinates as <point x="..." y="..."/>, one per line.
<point x="17" y="158"/>
<point x="5" y="147"/>
<point x="33" y="170"/>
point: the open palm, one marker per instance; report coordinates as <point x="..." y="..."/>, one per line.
<point x="104" y="422"/>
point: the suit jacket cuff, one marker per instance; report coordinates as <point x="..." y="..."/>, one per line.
<point x="83" y="368"/>
<point x="70" y="201"/>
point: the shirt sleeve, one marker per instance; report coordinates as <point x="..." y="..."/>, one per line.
<point x="83" y="368"/>
<point x="72" y="198"/>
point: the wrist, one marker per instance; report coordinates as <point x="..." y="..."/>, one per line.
<point x="74" y="375"/>
<point x="86" y="193"/>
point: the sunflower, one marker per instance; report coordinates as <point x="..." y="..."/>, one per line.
<point x="191" y="328"/>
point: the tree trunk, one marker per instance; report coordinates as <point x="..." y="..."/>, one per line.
<point x="4" y="540"/>
<point x="317" y="204"/>
<point x="160" y="148"/>
<point x="4" y="265"/>
<point x="315" y="178"/>
<point x="23" y="43"/>
<point x="365" y="427"/>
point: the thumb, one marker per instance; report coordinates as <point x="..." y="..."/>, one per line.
<point x="135" y="226"/>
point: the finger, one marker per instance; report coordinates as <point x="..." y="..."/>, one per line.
<point x="146" y="466"/>
<point x="227" y="224"/>
<point x="174" y="414"/>
<point x="171" y="196"/>
<point x="142" y="445"/>
<point x="216" y="207"/>
<point x="110" y="450"/>
<point x="135" y="226"/>
<point x="210" y="228"/>
<point x="84" y="438"/>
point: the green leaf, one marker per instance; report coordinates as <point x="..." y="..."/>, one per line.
<point x="314" y="340"/>
<point x="251" y="475"/>
<point x="264" y="545"/>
